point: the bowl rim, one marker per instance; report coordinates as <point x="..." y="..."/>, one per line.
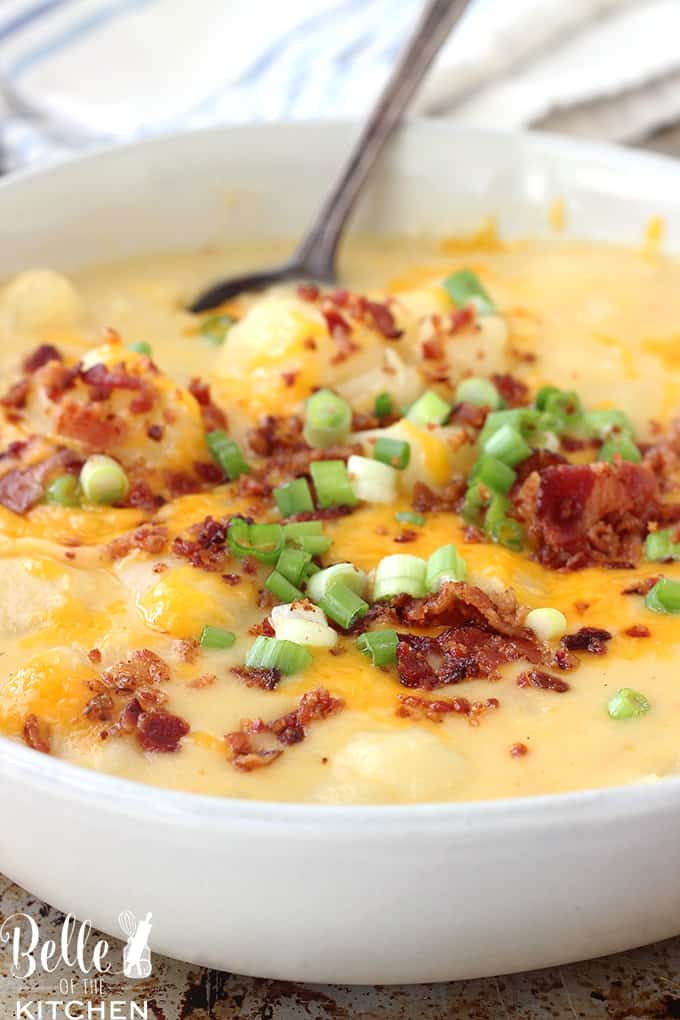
<point x="600" y="805"/>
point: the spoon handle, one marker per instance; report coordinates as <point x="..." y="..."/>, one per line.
<point x="315" y="257"/>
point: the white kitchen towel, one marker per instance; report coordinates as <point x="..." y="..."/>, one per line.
<point x="75" y="73"/>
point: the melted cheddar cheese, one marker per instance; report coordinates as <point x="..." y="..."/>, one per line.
<point x="601" y="321"/>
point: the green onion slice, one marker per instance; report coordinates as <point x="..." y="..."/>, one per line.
<point x="280" y="586"/>
<point x="294" y="497"/>
<point x="508" y="446"/>
<point x="342" y="605"/>
<point x="664" y="597"/>
<point x="215" y="328"/>
<point x="227" y="454"/>
<point x="480" y="392"/>
<point x="328" y="419"/>
<point x="547" y="623"/>
<point x="383" y="405"/>
<point x="409" y="517"/>
<point x="395" y="452"/>
<point x="372" y="480"/>
<point x="346" y="573"/>
<point x="263" y="541"/>
<point x="628" y="704"/>
<point x="659" y="546"/>
<point x="429" y="409"/>
<point x="332" y="483"/>
<point x="397" y="574"/>
<point x="493" y="473"/>
<point x="621" y="447"/>
<point x="272" y="653"/>
<point x="216" y="638"/>
<point x="503" y="529"/>
<point x="380" y="646"/>
<point x="103" y="480"/>
<point x="141" y="347"/>
<point x="464" y="288"/>
<point x="445" y="564"/>
<point x="64" y="491"/>
<point x="293" y="564"/>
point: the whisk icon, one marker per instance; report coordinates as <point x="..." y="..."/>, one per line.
<point x="136" y="953"/>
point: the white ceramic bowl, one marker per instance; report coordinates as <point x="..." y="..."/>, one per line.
<point x="346" y="894"/>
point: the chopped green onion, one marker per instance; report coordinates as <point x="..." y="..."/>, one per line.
<point x="304" y="624"/>
<point x="280" y="586"/>
<point x="465" y="288"/>
<point x="372" y="480"/>
<point x="263" y="541"/>
<point x="315" y="545"/>
<point x="493" y="473"/>
<point x="64" y="491"/>
<point x="503" y="529"/>
<point x="216" y="638"/>
<point x="397" y="574"/>
<point x="380" y="645"/>
<point x="408" y="517"/>
<point x="531" y="424"/>
<point x="294" y="497"/>
<point x="562" y="403"/>
<point x="383" y="405"/>
<point x="444" y="565"/>
<point x="332" y="484"/>
<point x="103" y="480"/>
<point x="342" y="604"/>
<point x="603" y="423"/>
<point x="328" y="419"/>
<point x="508" y="446"/>
<point x="272" y="653"/>
<point x="664" y="597"/>
<point x="475" y="502"/>
<point x="293" y="563"/>
<point x="215" y="328"/>
<point x="227" y="454"/>
<point x="429" y="409"/>
<point x="346" y="573"/>
<point x="544" y="395"/>
<point x="659" y="546"/>
<point x="547" y="623"/>
<point x="395" y="452"/>
<point x="308" y="536"/>
<point x="141" y="347"/>
<point x="480" y="392"/>
<point x="628" y="704"/>
<point x="621" y="447"/>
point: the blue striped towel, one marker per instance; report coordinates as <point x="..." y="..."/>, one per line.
<point x="81" y="72"/>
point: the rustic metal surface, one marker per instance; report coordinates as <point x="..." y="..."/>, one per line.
<point x="641" y="985"/>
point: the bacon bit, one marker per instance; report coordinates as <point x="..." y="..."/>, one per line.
<point x="433" y="348"/>
<point x="519" y="750"/>
<point x="161" y="731"/>
<point x="16" y="395"/>
<point x="155" y="432"/>
<point x="276" y="435"/>
<point x="56" y="379"/>
<point x="461" y="319"/>
<point x="564" y="660"/>
<point x="94" y="655"/>
<point x="22" y="488"/>
<point x="152" y="538"/>
<point x="213" y="416"/>
<point x="100" y="707"/>
<point x="289" y="378"/>
<point x="407" y="535"/>
<point x="424" y="500"/>
<point x="329" y="513"/>
<point x="40" y="356"/>
<point x="309" y="343"/>
<point x="638" y="630"/>
<point x="102" y="381"/>
<point x="470" y="415"/>
<point x="513" y="391"/>
<point x="141" y="497"/>
<point x="587" y="639"/>
<point x="414" y="707"/>
<point x="265" y="679"/>
<point x="232" y="579"/>
<point x="543" y="681"/>
<point x="340" y="331"/>
<point x="187" y="649"/>
<point x="289" y="729"/>
<point x="539" y="460"/>
<point x="263" y="628"/>
<point x="307" y="291"/>
<point x="643" y="586"/>
<point x="204" y="680"/>
<point x="383" y="319"/>
<point x="206" y="548"/>
<point x="36" y="734"/>
<point x="265" y="599"/>
<point x="141" y="667"/>
<point x="581" y="606"/>
<point x="579" y="514"/>
<point x="459" y="653"/>
<point x="458" y="604"/>
<point x="93" y="424"/>
<point x="472" y="535"/>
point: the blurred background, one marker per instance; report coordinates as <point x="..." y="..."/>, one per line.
<point x="79" y="73"/>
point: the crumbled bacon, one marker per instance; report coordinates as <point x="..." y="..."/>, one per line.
<point x="142" y="497"/>
<point x="22" y="488"/>
<point x="100" y="707"/>
<point x="152" y="538"/>
<point x="591" y="513"/>
<point x="458" y="603"/>
<point x="141" y="668"/>
<point x="204" y="680"/>
<point x="543" y="681"/>
<point x="407" y="535"/>
<point x="36" y="733"/>
<point x="470" y="415"/>
<point x="519" y="750"/>
<point x="252" y="676"/>
<point x="341" y="332"/>
<point x="102" y="380"/>
<point x="538" y="461"/>
<point x="276" y="434"/>
<point x="213" y="416"/>
<point x="425" y="500"/>
<point x="94" y="655"/>
<point x="245" y="754"/>
<point x="643" y="586"/>
<point x="94" y="425"/>
<point x="383" y="319"/>
<point x="587" y="639"/>
<point x="160" y="731"/>
<point x="187" y="649"/>
<point x="459" y="653"/>
<point x="412" y="706"/>
<point x="206" y="546"/>
<point x="638" y="630"/>
<point x="16" y="396"/>
<point x="307" y="291"/>
<point x="514" y="392"/>
<point x="40" y="356"/>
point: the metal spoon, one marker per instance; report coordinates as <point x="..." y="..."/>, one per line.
<point x="315" y="257"/>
